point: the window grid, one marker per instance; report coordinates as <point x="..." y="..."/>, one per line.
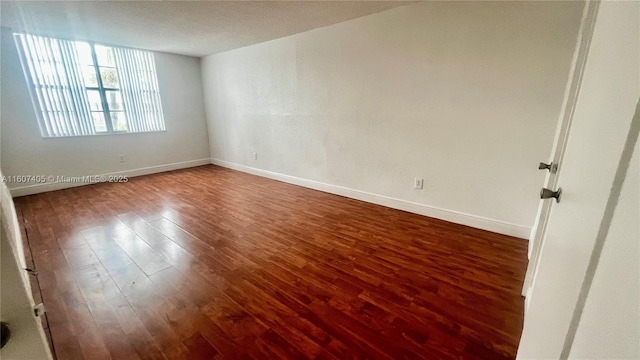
<point x="65" y="76"/>
<point x="103" y="96"/>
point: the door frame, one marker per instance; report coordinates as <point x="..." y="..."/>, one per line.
<point x="572" y="90"/>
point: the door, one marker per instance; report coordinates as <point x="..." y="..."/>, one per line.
<point x="602" y="133"/>
<point x="28" y="341"/>
<point x="559" y="144"/>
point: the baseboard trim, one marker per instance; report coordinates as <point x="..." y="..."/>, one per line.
<point x="40" y="188"/>
<point x="457" y="217"/>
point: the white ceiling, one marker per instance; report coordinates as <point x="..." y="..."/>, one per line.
<point x="195" y="28"/>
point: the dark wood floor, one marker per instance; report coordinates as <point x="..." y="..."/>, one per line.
<point x="207" y="263"/>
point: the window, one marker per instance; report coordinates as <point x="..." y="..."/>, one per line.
<point x="82" y="88"/>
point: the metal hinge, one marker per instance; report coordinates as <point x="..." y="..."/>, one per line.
<point x="31" y="271"/>
<point x="39" y="310"/>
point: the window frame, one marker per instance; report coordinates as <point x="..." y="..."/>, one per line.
<point x="100" y="88"/>
<point x="102" y="91"/>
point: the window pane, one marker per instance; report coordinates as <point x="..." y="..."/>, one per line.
<point x="109" y="77"/>
<point x="60" y="71"/>
<point x="90" y="78"/>
<point x="104" y="55"/>
<point x="84" y="53"/>
<point x="95" y="102"/>
<point x="114" y="99"/>
<point x="98" y="121"/>
<point x="119" y="121"/>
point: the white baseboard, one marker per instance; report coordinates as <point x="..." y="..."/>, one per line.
<point x="52" y="186"/>
<point x="457" y="217"/>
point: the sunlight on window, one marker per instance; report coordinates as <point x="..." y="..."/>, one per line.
<point x="81" y="88"/>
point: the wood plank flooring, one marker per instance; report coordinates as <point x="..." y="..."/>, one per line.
<point x="210" y="263"/>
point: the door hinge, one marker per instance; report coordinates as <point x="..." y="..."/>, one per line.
<point x="31" y="271"/>
<point x="39" y="310"/>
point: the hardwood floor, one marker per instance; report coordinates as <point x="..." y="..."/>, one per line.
<point x="209" y="263"/>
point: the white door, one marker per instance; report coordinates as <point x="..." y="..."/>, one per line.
<point x="27" y="341"/>
<point x="559" y="144"/>
<point x="602" y="134"/>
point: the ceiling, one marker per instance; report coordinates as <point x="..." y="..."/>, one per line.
<point x="195" y="28"/>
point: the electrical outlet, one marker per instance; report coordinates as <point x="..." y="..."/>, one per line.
<point x="121" y="157"/>
<point x="418" y="183"/>
<point x="255" y="156"/>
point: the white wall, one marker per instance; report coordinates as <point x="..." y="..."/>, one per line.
<point x="25" y="152"/>
<point x="610" y="324"/>
<point x="465" y="95"/>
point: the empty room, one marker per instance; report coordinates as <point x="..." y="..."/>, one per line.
<point x="320" y="180"/>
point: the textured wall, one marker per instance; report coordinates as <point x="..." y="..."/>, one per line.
<point x="465" y="95"/>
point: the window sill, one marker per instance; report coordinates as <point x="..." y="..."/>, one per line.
<point x="103" y="134"/>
